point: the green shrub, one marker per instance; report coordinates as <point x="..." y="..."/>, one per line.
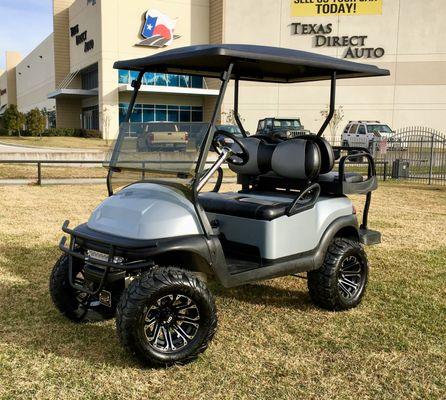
<point x="72" y="132"/>
<point x="13" y="120"/>
<point x="92" y="134"/>
<point x="35" y="122"/>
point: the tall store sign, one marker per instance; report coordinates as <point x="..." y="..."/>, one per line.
<point x="82" y="37"/>
<point x="356" y="46"/>
<point x="157" y="30"/>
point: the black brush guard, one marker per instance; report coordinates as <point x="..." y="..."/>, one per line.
<point x="108" y="248"/>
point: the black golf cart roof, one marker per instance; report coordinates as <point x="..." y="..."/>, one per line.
<point x="251" y="62"/>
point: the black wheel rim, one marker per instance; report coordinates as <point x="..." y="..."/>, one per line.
<point x="351" y="278"/>
<point x="171" y="323"/>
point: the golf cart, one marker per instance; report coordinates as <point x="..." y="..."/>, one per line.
<point x="149" y="249"/>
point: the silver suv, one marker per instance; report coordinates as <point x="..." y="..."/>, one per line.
<point x="365" y="133"/>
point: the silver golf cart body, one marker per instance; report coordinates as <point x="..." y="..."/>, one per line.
<point x="291" y="204"/>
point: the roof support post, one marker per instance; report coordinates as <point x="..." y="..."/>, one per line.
<point x="236" y="114"/>
<point x="136" y="84"/>
<point x="332" y="104"/>
<point x="226" y="77"/>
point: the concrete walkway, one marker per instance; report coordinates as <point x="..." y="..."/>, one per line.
<point x="19" y="148"/>
<point x="30" y="153"/>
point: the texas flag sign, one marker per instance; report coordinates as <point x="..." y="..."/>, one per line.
<point x="157" y="30"/>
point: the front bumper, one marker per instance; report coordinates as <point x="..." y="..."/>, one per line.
<point x="83" y="239"/>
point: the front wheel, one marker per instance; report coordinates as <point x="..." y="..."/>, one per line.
<point x="166" y="316"/>
<point x="70" y="302"/>
<point x="340" y="283"/>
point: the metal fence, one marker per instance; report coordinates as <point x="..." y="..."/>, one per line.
<point x="414" y="153"/>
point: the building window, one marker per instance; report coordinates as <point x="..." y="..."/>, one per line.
<point x="162" y="113"/>
<point x="155" y="79"/>
<point x="90" y="79"/>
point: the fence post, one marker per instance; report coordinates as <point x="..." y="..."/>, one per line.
<point x="39" y="173"/>
<point x="431" y="159"/>
<point x="385" y="170"/>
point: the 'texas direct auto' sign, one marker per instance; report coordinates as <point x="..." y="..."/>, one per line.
<point x="355" y="45"/>
<point x="315" y="8"/>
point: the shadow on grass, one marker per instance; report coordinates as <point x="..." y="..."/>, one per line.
<point x="30" y="320"/>
<point x="268" y="295"/>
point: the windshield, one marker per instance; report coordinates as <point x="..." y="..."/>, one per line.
<point x="379" y="128"/>
<point x="287" y="123"/>
<point x="156" y="151"/>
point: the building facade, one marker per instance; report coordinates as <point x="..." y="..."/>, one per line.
<point x="72" y="70"/>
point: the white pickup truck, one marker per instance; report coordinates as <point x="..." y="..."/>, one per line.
<point x="365" y="133"/>
<point x="174" y="139"/>
<point x="371" y="135"/>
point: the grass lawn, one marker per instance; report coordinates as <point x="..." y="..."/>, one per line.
<point x="272" y="343"/>
<point x="57" y="141"/>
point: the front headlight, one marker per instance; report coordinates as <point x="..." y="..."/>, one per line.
<point x="96" y="255"/>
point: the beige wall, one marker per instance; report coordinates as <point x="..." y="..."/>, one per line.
<point x="410" y="31"/>
<point x="12" y="59"/>
<point x="120" y="30"/>
<point x="88" y="17"/>
<point x="68" y="113"/>
<point x="61" y="36"/>
<point x="36" y="77"/>
<point x="61" y="22"/>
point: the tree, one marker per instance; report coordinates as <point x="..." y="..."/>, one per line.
<point x="13" y="119"/>
<point x="229" y="117"/>
<point x="338" y="116"/>
<point x="35" y="122"/>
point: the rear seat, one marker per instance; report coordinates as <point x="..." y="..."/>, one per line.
<point x="305" y="165"/>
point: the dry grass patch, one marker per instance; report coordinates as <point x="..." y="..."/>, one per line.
<point x="272" y="343"/>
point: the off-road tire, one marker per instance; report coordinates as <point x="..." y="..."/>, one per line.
<point x="323" y="283"/>
<point x="62" y="294"/>
<point x="143" y="293"/>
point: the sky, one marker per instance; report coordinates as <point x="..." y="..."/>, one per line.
<point x="24" y="24"/>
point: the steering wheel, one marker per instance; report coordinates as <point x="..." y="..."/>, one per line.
<point x="240" y="153"/>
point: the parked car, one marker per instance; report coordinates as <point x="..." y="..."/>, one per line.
<point x="281" y="128"/>
<point x="169" y="137"/>
<point x="366" y="134"/>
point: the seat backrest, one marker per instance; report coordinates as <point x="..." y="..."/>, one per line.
<point x="296" y="159"/>
<point x="260" y="155"/>
<point x="327" y="153"/>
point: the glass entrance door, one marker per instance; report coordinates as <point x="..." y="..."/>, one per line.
<point x="90" y="118"/>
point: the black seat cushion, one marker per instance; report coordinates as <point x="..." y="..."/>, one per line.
<point x="350" y="177"/>
<point x="239" y="205"/>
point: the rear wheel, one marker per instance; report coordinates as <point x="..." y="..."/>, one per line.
<point x="341" y="281"/>
<point x="166" y="316"/>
